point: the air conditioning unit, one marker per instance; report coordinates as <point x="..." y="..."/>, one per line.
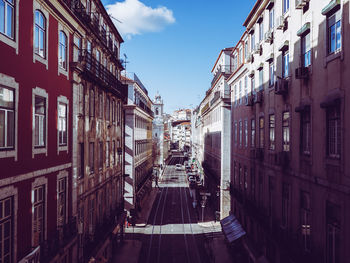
<point x="249" y="57"/>
<point x="280" y="22"/>
<point x="281" y="86"/>
<point x="299" y="4"/>
<point x="302" y="73"/>
<point x="257" y="48"/>
<point x="268" y="36"/>
<point x="249" y="100"/>
<point x="258" y="97"/>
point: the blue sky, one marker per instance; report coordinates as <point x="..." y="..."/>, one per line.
<point x="172" y="45"/>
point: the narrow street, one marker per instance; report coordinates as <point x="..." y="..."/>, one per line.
<point x="172" y="233"/>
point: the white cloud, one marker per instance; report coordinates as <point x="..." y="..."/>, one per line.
<point x="137" y="18"/>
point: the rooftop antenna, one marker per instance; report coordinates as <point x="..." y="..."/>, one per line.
<point x="115" y="19"/>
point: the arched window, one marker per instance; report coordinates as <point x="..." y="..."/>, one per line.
<point x="62" y="50"/>
<point x="40" y="34"/>
<point x="157" y="112"/>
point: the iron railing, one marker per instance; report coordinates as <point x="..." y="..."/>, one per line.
<point x="222" y="69"/>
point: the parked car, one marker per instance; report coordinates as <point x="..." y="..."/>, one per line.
<point x="178" y="167"/>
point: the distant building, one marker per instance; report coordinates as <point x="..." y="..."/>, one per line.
<point x="158" y="130"/>
<point x="138" y="143"/>
<point x="180" y="129"/>
<point x="214" y="115"/>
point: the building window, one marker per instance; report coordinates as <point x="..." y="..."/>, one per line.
<point x="92" y="103"/>
<point x="305" y="220"/>
<point x="6" y="229"/>
<point x="107" y="154"/>
<point x="334" y="32"/>
<point x="246" y="50"/>
<point x="245" y="179"/>
<point x="236" y="95"/>
<point x="113" y="111"/>
<point x="306" y="50"/>
<point x="252" y="183"/>
<point x="82" y="161"/>
<point x="100" y="104"/>
<point x="252" y="85"/>
<point x="119" y="113"/>
<point x="271" y="18"/>
<point x="240" y="93"/>
<point x="246" y="89"/>
<point x="240" y="133"/>
<point x="271" y="74"/>
<point x="7" y="118"/>
<point x="246" y="133"/>
<point x="62" y="50"/>
<point x="62" y="201"/>
<point x="38" y="215"/>
<point x="285" y="204"/>
<point x="272" y="132"/>
<point x="100" y="155"/>
<point x="236" y="132"/>
<point x="286" y="131"/>
<point x="261" y="31"/>
<point x="252" y="42"/>
<point x="40" y="34"/>
<point x="252" y="143"/>
<point x="108" y="109"/>
<point x="91" y="156"/>
<point x="285" y="6"/>
<point x="240" y="56"/>
<point x="305" y="132"/>
<point x="40" y="122"/>
<point x="98" y="59"/>
<point x="333" y="131"/>
<point x="261" y="79"/>
<point x="7" y="21"/>
<point x="91" y="216"/>
<point x="77" y="48"/>
<point x="333" y="233"/>
<point x="114" y="154"/>
<point x="285" y="64"/>
<point x="261" y="132"/>
<point x="62" y="124"/>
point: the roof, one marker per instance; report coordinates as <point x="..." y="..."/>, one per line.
<point x="223" y="50"/>
<point x="252" y="12"/>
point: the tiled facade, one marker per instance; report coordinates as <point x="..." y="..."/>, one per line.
<point x="289" y="179"/>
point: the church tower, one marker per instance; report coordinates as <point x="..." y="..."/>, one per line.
<point x="158" y="129"/>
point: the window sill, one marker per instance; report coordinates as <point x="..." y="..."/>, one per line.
<point x="39" y="150"/>
<point x="62" y="148"/>
<point x="10" y="42"/>
<point x="333" y="56"/>
<point x="41" y="60"/>
<point x="62" y="71"/>
<point x="8" y="153"/>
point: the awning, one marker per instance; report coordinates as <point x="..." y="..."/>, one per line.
<point x="304" y="29"/>
<point x="251" y="74"/>
<point x="269" y="58"/>
<point x="261" y="65"/>
<point x="332" y="6"/>
<point x="331" y="98"/>
<point x="303" y="106"/>
<point x="231" y="228"/>
<point x="284" y="46"/>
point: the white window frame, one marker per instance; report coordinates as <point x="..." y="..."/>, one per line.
<point x="6" y="192"/>
<point x="8" y="81"/>
<point x="13" y="42"/>
<point x="63" y="100"/>
<point x="61" y="70"/>
<point x="42" y="93"/>
<point x="41" y="181"/>
<point x="62" y="175"/>
<point x="44" y="60"/>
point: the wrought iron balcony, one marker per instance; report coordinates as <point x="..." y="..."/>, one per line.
<point x="222" y="69"/>
<point x="96" y="72"/>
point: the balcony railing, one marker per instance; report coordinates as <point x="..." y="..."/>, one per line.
<point x="97" y="72"/>
<point x="222" y="69"/>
